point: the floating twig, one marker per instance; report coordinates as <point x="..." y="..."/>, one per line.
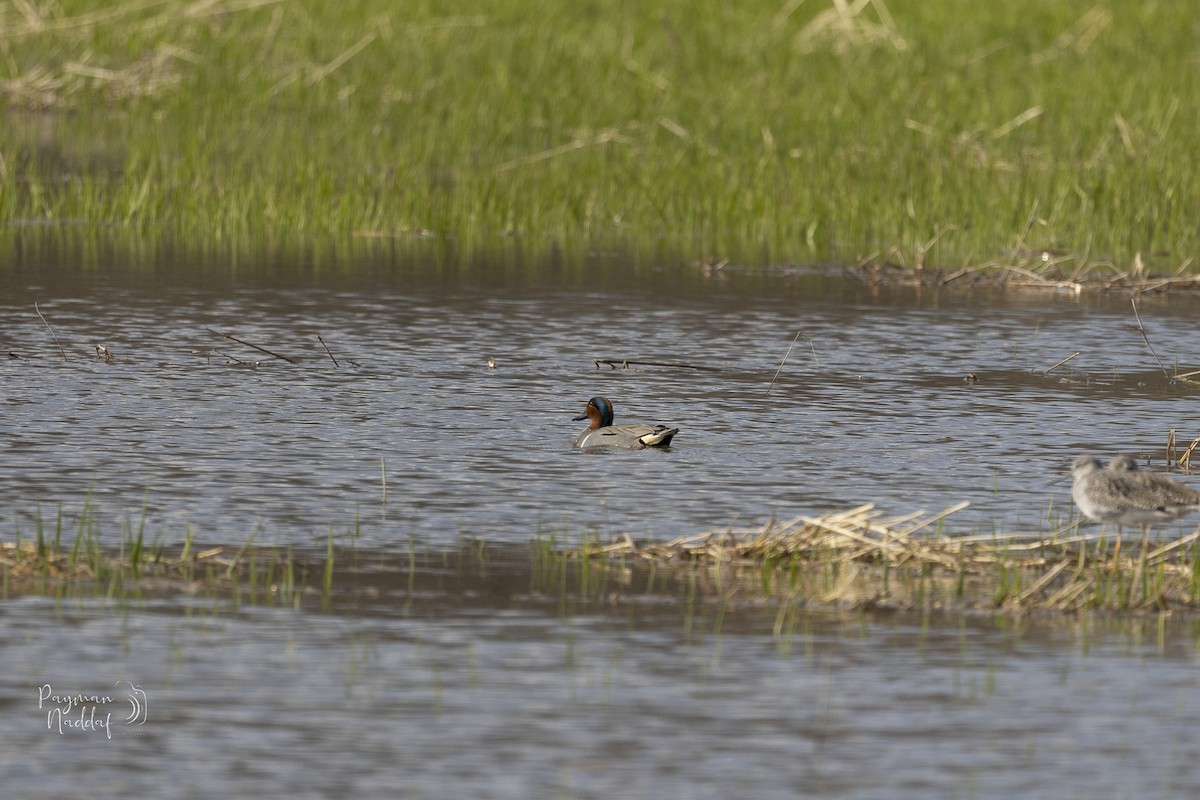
<point x="230" y="359"/>
<point x="233" y="338"/>
<point x="208" y="353"/>
<point x="624" y="363"/>
<point x="331" y="358"/>
<point x="795" y="339"/>
<point x="1146" y="339"/>
<point x="52" y="333"/>
<point x="1046" y="371"/>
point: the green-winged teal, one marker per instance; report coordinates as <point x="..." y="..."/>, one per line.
<point x="602" y="433"/>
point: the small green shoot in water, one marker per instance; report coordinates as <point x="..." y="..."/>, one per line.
<point x="327" y="579"/>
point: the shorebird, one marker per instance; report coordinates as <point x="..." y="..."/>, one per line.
<point x="1123" y="464"/>
<point x="1127" y="496"/>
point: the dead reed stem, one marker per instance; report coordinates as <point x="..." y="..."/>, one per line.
<point x="1046" y="371"/>
<point x="795" y="339"/>
<point x="327" y="350"/>
<point x="52" y="333"/>
<point x="1146" y="339"/>
<point x="233" y="338"/>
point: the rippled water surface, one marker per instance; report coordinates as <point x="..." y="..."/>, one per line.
<point x="468" y="678"/>
<point x="872" y="407"/>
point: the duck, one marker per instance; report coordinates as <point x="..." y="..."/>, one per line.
<point x="602" y="433"/>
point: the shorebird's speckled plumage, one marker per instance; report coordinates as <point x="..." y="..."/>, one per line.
<point x="1123" y="464"/>
<point x="602" y="433"/>
<point x="1127" y="496"/>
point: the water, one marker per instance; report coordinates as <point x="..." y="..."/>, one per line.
<point x="483" y="683"/>
<point x="874" y="409"/>
<point x="479" y="684"/>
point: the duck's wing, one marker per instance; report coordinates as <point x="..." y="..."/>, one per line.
<point x="641" y="436"/>
<point x="633" y="437"/>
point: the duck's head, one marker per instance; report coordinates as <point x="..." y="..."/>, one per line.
<point x="599" y="411"/>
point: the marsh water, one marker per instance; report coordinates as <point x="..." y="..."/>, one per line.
<point x="443" y="666"/>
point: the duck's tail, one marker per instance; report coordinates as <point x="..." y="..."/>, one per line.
<point x="659" y="437"/>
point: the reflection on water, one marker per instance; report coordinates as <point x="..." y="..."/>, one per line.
<point x="480" y="672"/>
<point x="470" y="668"/>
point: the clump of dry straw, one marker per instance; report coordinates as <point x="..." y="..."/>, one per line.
<point x="859" y="558"/>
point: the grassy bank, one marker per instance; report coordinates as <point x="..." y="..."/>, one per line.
<point x="765" y="131"/>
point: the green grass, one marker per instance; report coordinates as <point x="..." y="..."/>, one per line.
<point x="272" y="576"/>
<point x="851" y="560"/>
<point x="691" y="130"/>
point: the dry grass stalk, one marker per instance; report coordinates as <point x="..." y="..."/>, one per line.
<point x="1070" y="273"/>
<point x="845" y="27"/>
<point x="328" y="69"/>
<point x="1080" y="38"/>
<point x="1058" y="364"/>
<point x="1185" y="460"/>
<point x="33" y="567"/>
<point x="25" y="560"/>
<point x="601" y="138"/>
<point x="860" y="558"/>
<point x="1182" y="460"/>
<point x="42" y="86"/>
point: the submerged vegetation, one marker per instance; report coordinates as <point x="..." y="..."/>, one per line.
<point x="847" y="560"/>
<point x="1047" y="138"/>
<point x="62" y="564"/>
